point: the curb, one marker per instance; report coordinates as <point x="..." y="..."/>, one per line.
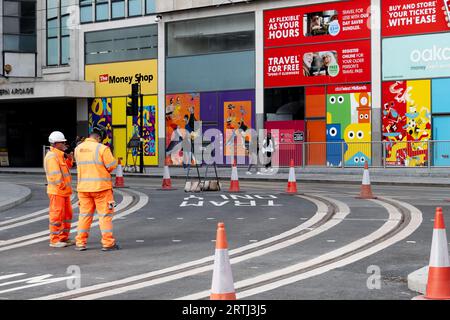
<point x="12" y="203"/>
<point x="417" y="280"/>
<point x="245" y="178"/>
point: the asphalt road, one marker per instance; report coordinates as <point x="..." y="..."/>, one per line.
<point x="321" y="244"/>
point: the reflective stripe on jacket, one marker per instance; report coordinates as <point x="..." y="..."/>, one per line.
<point x="95" y="163"/>
<point x="57" y="170"/>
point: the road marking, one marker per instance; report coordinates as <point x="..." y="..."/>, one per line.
<point x="140" y="241"/>
<point x="27" y="216"/>
<point x="331" y="241"/>
<point x="272" y="218"/>
<point x="343" y="210"/>
<point x="33" y="282"/>
<point x="394" y="214"/>
<point x="240" y="218"/>
<point x="210" y="218"/>
<point x="36" y="237"/>
<point x="151" y="218"/>
<point x="11" y="276"/>
<point x="410" y="242"/>
<point x="175" y="240"/>
<point x="253" y="241"/>
<point x="180" y="218"/>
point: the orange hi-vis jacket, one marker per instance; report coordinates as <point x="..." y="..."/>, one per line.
<point x="57" y="170"/>
<point x="95" y="163"/>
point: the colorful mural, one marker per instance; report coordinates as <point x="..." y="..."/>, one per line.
<point x="182" y="111"/>
<point x="406" y="122"/>
<point x="149" y="130"/>
<point x="100" y="112"/>
<point x="349" y="121"/>
<point x="237" y="120"/>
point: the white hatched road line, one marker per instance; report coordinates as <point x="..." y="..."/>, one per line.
<point x="33" y="282"/>
<point x="394" y="215"/>
<point x="18" y="224"/>
<point x="33" y="214"/>
<point x="11" y="276"/>
<point x="126" y="200"/>
<point x="321" y="212"/>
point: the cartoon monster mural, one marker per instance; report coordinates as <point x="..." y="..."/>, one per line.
<point x="350" y="116"/>
<point x="357" y="137"/>
<point x="334" y="147"/>
<point x="339" y="109"/>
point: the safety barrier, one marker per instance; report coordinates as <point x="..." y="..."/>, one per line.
<point x="407" y="154"/>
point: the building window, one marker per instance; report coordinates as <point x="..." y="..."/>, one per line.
<point x="117" y="9"/>
<point x="211" y="35"/>
<point x="101" y="10"/>
<point x="86" y="11"/>
<point x="134" y="8"/>
<point x="52" y="32"/>
<point x="150" y="6"/>
<point x="19" y="26"/>
<point x="58" y="32"/>
<point x="124" y="44"/>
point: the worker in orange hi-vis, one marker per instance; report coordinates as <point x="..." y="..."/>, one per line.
<point x="95" y="163"/>
<point x="57" y="166"/>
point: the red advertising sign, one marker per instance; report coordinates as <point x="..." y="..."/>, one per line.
<point x="331" y="63"/>
<point x="317" y="23"/>
<point x="404" y="17"/>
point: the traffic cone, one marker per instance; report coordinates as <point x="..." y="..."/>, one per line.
<point x="366" y="189"/>
<point x="166" y="182"/>
<point x="222" y="281"/>
<point x="292" y="183"/>
<point x="234" y="184"/>
<point x="438" y="284"/>
<point x="119" y="183"/>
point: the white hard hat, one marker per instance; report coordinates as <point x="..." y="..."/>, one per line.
<point x="56" y="136"/>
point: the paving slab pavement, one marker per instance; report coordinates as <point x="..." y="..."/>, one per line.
<point x="12" y="195"/>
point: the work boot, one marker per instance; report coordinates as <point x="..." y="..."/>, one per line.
<point x="69" y="242"/>
<point x="114" y="247"/>
<point x="80" y="248"/>
<point x="58" y="244"/>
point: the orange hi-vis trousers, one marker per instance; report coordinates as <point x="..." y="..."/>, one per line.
<point x="89" y="201"/>
<point x="60" y="216"/>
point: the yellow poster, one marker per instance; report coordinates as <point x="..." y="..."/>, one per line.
<point x="115" y="79"/>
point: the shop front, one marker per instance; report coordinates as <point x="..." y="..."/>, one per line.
<point x="30" y="111"/>
<point x="416" y="83"/>
<point x="317" y="91"/>
<point x="112" y="86"/>
<point x="210" y="87"/>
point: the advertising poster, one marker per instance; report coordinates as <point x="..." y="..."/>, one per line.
<point x="318" y="23"/>
<point x="349" y="122"/>
<point x="238" y="119"/>
<point x="404" y="17"/>
<point x="331" y="63"/>
<point x="416" y="57"/>
<point x="182" y="111"/>
<point x="406" y="122"/>
<point x="100" y="114"/>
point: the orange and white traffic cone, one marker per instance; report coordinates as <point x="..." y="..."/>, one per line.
<point x="119" y="183"/>
<point x="222" y="281"/>
<point x="166" y="182"/>
<point x="234" y="184"/>
<point x="438" y="284"/>
<point x="292" y="182"/>
<point x="366" y="189"/>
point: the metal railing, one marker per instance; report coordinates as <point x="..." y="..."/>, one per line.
<point x="387" y="154"/>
